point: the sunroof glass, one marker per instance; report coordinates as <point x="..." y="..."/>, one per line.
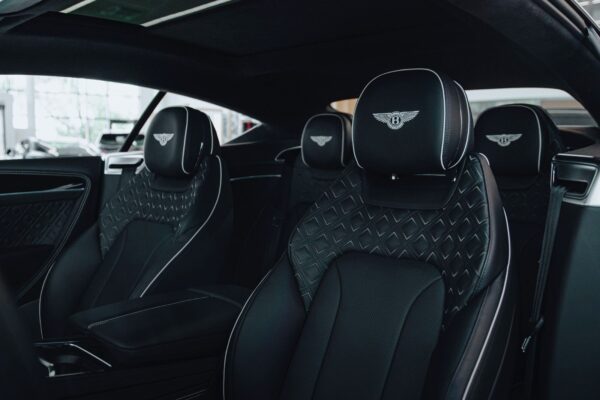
<point x="141" y="12"/>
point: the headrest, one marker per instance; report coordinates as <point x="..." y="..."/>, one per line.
<point x="177" y="140"/>
<point x="326" y="141"/>
<point x="412" y="121"/>
<point x="515" y="138"/>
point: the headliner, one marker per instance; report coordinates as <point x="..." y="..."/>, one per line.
<point x="281" y="61"/>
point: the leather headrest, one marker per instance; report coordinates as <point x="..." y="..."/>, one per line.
<point x="412" y="121"/>
<point x="326" y="141"/>
<point x="515" y="138"/>
<point x="177" y="140"/>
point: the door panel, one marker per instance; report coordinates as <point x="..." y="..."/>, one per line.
<point x="44" y="203"/>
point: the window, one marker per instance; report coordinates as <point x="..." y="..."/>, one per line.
<point x="563" y="109"/>
<point x="48" y="116"/>
<point x="228" y="124"/>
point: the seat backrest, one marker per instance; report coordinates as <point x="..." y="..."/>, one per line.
<point x="396" y="283"/>
<point x="166" y="227"/>
<point x="519" y="140"/>
<point x="326" y="148"/>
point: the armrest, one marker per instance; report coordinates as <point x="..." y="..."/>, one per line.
<point x="186" y="324"/>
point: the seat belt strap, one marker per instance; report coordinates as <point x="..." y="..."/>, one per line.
<point x="536" y="319"/>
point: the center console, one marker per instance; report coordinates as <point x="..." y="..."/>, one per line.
<point x="167" y="345"/>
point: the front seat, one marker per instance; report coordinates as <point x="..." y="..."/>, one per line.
<point x="166" y="228"/>
<point x="396" y="282"/>
<point x="519" y="140"/>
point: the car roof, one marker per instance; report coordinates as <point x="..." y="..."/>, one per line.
<point x="282" y="60"/>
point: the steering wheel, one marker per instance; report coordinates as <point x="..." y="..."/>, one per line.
<point x="19" y="370"/>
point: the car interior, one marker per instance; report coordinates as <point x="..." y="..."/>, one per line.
<point x="372" y="230"/>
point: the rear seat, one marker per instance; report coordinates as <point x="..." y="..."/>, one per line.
<point x="519" y="141"/>
<point x="326" y="148"/>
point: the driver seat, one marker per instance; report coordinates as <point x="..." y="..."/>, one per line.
<point x="396" y="282"/>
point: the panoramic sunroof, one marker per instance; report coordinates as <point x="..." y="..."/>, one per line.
<point x="141" y="12"/>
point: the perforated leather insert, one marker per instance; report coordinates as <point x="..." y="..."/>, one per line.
<point x="454" y="239"/>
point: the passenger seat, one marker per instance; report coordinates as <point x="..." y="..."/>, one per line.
<point x="326" y="149"/>
<point x="166" y="228"/>
<point x="519" y="140"/>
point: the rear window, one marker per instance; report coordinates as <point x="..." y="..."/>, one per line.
<point x="563" y="108"/>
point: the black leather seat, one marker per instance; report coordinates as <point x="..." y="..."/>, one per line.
<point x="396" y="283"/>
<point x="166" y="228"/>
<point x="326" y="148"/>
<point x="519" y="141"/>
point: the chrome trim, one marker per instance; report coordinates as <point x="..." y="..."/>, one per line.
<point x="125" y="158"/>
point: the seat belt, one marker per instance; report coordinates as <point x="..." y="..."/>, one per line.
<point x="536" y="319"/>
<point x="280" y="213"/>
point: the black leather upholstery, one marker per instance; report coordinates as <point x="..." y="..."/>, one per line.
<point x="203" y="318"/>
<point x="303" y="180"/>
<point x="159" y="232"/>
<point x="521" y="165"/>
<point x="515" y="138"/>
<point x="425" y="119"/>
<point x="326" y="141"/>
<point x="178" y="140"/>
<point x="378" y="300"/>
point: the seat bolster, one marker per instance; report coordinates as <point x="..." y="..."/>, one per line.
<point x="66" y="282"/>
<point x="176" y="265"/>
<point x="498" y="252"/>
<point x="264" y="338"/>
<point x="474" y="348"/>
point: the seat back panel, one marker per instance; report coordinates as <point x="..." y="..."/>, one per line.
<point x="368" y="325"/>
<point x="454" y="238"/>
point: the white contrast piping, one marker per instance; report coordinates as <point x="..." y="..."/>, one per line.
<point x="247" y="177"/>
<point x="77" y="6"/>
<point x="57" y="253"/>
<point x="89" y="353"/>
<point x="469" y="118"/>
<point x="277" y="157"/>
<point x="236" y="324"/>
<point x="104" y="321"/>
<point x="304" y="131"/>
<point x="187" y="120"/>
<point x="489" y="334"/>
<point x="193" y="395"/>
<point x="392" y="72"/>
<point x="183" y="13"/>
<point x="195" y="233"/>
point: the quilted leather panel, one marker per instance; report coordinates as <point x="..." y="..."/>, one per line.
<point x="35" y="223"/>
<point x="138" y="200"/>
<point x="453" y="239"/>
<point x="528" y="205"/>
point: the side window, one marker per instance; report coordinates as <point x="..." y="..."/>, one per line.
<point x="229" y="124"/>
<point x="47" y="116"/>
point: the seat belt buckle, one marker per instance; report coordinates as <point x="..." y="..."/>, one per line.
<point x="536" y="328"/>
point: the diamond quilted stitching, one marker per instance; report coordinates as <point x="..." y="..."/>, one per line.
<point x="453" y="239"/>
<point x="138" y="200"/>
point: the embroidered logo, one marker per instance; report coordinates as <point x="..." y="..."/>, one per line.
<point x="396" y="120"/>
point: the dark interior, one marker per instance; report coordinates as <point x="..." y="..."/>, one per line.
<point x="298" y="260"/>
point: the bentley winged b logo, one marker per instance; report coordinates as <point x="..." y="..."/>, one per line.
<point x="321" y="140"/>
<point x="505" y="139"/>
<point x="163" y="138"/>
<point x="396" y="120"/>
